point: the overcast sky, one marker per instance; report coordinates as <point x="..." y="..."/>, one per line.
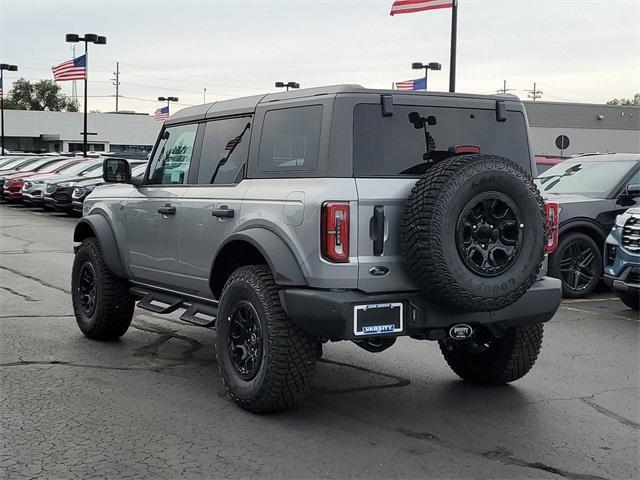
<point x="576" y="50"/>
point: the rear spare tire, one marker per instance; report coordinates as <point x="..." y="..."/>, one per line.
<point x="473" y="232"/>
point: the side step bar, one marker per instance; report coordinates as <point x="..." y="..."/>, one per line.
<point x="197" y="313"/>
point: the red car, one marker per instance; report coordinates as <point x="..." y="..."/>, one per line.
<point x="12" y="183"/>
<point x="545" y="162"/>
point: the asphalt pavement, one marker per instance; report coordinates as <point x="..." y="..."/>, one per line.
<point x="152" y="405"/>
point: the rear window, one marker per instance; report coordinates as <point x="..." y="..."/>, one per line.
<point x="290" y="139"/>
<point x="396" y="145"/>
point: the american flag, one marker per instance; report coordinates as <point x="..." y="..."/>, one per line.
<point x="75" y="69"/>
<point x="162" y="113"/>
<point x="411" y="6"/>
<point x="418" y="84"/>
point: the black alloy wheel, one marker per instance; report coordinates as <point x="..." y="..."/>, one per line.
<point x="88" y="288"/>
<point x="578" y="263"/>
<point x="577" y="266"/>
<point x="245" y="340"/>
<point x="489" y="235"/>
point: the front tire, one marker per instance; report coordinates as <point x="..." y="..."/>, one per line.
<point x="489" y="360"/>
<point x="102" y="304"/>
<point x="266" y="360"/>
<point x="578" y="263"/>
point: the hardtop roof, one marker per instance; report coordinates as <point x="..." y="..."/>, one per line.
<point x="247" y="105"/>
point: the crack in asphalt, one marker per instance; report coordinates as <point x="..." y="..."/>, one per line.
<point x="14" y="292"/>
<point x="608" y="413"/>
<point x="36" y="279"/>
<point x="506" y="457"/>
<point x="500" y="455"/>
<point x="36" y="316"/>
<point x="21" y="363"/>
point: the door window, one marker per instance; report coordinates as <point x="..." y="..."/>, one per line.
<point x="170" y="163"/>
<point x="224" y="150"/>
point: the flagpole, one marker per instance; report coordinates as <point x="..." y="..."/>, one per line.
<point x="454" y="41"/>
<point x="86" y="75"/>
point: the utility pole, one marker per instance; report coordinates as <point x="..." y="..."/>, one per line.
<point x="504" y="88"/>
<point x="116" y="82"/>
<point x="535" y="93"/>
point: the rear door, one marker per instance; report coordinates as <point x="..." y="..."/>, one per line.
<point x="389" y="156"/>
<point x="212" y="207"/>
<point x="153" y="209"/>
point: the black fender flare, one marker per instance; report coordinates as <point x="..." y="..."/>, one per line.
<point x="584" y="224"/>
<point x="97" y="225"/>
<point x="279" y="257"/>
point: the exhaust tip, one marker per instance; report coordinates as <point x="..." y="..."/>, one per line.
<point x="461" y="331"/>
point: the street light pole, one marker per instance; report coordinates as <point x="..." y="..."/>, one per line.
<point x="427" y="66"/>
<point x="11" y="68"/>
<point x="168" y="100"/>
<point x="88" y="38"/>
<point x="288" y="85"/>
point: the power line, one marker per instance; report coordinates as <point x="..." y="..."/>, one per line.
<point x="504" y="88"/>
<point x="535" y="93"/>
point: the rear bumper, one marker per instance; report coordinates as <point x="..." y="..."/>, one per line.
<point x="329" y="314"/>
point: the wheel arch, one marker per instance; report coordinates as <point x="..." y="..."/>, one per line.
<point x="98" y="226"/>
<point x="255" y="246"/>
<point x="587" y="227"/>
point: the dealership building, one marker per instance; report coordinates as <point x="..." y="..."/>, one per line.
<point x="557" y="129"/>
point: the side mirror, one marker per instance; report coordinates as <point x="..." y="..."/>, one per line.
<point x="633" y="190"/>
<point x="116" y="170"/>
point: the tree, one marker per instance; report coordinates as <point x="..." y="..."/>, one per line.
<point x="626" y="102"/>
<point x="41" y="95"/>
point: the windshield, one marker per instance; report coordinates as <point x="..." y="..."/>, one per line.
<point x="92" y="170"/>
<point x="405" y="143"/>
<point x="33" y="164"/>
<point x="19" y="162"/>
<point x="593" y="179"/>
<point x="52" y="166"/>
<point x="74" y="168"/>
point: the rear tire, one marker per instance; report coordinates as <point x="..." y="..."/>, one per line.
<point x="487" y="360"/>
<point x="577" y="262"/>
<point x="102" y="304"/>
<point x="266" y="360"/>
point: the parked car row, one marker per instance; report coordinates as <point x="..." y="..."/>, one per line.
<point x="50" y="182"/>
<point x="593" y="193"/>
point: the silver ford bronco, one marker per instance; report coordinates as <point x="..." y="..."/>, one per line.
<point x="288" y="220"/>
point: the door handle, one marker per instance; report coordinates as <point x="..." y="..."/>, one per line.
<point x="167" y="210"/>
<point x="376" y="230"/>
<point x="223" y="212"/>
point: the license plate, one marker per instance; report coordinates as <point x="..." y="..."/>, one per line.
<point x="377" y="319"/>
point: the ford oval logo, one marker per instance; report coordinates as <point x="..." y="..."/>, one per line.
<point x="378" y="271"/>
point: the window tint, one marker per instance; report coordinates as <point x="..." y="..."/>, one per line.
<point x="290" y="139"/>
<point x="398" y="145"/>
<point x="224" y="150"/>
<point x="170" y="163"/>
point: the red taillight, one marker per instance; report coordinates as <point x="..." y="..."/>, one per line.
<point x="462" y="149"/>
<point x="334" y="234"/>
<point x="552" y="217"/>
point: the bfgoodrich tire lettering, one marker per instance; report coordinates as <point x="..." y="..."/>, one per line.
<point x="441" y="200"/>
<point x="108" y="314"/>
<point x="287" y="353"/>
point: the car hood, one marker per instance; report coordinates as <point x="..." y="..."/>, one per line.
<point x="17" y="175"/>
<point x="90" y="181"/>
<point x="74" y="178"/>
<point x="565" y="199"/>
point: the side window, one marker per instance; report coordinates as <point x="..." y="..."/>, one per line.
<point x="290" y="139"/>
<point x="635" y="180"/>
<point x="170" y="163"/>
<point x="224" y="150"/>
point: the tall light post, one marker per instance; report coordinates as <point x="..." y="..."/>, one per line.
<point x="87" y="39"/>
<point x="427" y="66"/>
<point x="168" y="100"/>
<point x="10" y="68"/>
<point x="288" y="85"/>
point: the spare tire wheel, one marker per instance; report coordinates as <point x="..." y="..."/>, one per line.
<point x="473" y="232"/>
